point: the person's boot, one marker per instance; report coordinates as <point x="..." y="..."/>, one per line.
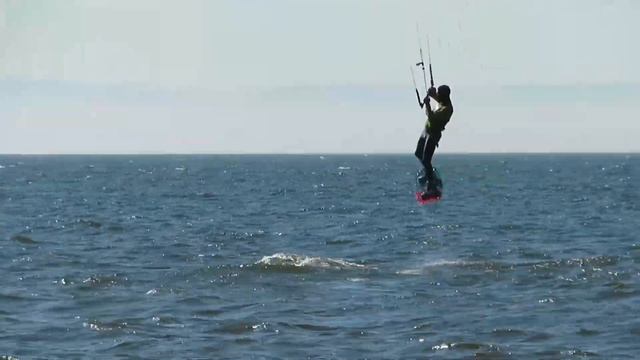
<point x="422" y="177"/>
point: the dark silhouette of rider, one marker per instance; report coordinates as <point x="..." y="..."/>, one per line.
<point x="436" y="121"/>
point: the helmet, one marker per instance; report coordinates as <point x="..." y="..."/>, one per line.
<point x="444" y="90"/>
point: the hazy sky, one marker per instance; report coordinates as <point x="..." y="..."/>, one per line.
<point x="239" y="76"/>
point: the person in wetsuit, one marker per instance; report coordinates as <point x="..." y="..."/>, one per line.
<point x="436" y="121"/>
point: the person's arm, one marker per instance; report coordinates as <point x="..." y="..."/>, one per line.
<point x="432" y="92"/>
<point x="427" y="107"/>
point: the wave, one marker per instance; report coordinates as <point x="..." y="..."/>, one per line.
<point x="444" y="264"/>
<point x="481" y="350"/>
<point x="282" y="261"/>
<point x="103" y="281"/>
<point x="23" y="239"/>
<point x="594" y="262"/>
<point x="89" y="223"/>
<point x="589" y="261"/>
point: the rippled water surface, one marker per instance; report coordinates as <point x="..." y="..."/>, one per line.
<point x="320" y="257"/>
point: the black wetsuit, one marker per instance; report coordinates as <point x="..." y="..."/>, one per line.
<point x="431" y="136"/>
<point x="427" y="144"/>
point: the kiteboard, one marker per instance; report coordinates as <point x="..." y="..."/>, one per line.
<point x="428" y="192"/>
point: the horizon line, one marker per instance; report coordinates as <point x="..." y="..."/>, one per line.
<point x="329" y="153"/>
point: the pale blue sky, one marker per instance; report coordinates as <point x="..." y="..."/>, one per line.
<point x="240" y="76"/>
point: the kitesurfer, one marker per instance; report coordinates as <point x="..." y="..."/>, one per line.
<point x="436" y="121"/>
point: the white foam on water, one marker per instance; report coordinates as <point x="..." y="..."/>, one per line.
<point x="433" y="264"/>
<point x="303" y="261"/>
<point x="442" y="262"/>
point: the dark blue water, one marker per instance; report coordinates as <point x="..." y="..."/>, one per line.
<point x="291" y="257"/>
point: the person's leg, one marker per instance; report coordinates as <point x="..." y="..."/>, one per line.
<point x="429" y="149"/>
<point x="419" y="153"/>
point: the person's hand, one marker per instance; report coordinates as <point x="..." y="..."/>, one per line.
<point x="426" y="100"/>
<point x="433" y="92"/>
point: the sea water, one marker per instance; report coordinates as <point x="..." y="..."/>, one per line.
<point x="319" y="257"/>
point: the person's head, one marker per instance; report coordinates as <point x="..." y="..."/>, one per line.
<point x="444" y="92"/>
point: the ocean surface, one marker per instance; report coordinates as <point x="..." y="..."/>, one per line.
<point x="319" y="257"/>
